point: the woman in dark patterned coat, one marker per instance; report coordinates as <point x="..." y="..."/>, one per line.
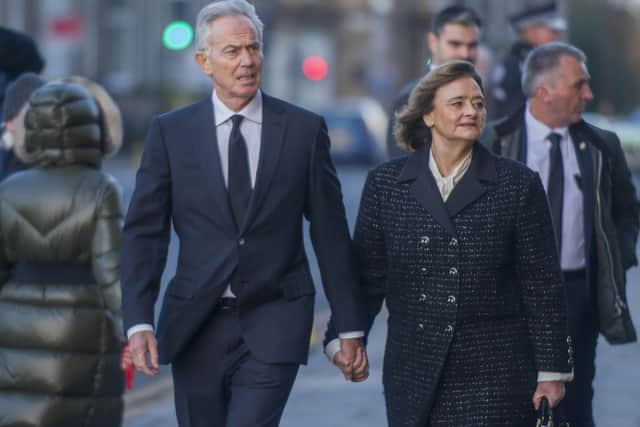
<point x="459" y="243"/>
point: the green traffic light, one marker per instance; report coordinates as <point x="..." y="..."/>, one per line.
<point x="177" y="35"/>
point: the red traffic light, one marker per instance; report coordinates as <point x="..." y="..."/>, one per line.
<point x="315" y="67"/>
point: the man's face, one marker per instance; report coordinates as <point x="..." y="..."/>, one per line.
<point x="456" y="41"/>
<point x="567" y="92"/>
<point x="233" y="60"/>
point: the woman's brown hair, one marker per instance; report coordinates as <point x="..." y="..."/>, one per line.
<point x="410" y="130"/>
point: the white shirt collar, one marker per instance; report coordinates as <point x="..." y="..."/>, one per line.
<point x="252" y="111"/>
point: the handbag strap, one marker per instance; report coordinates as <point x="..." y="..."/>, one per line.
<point x="545" y="414"/>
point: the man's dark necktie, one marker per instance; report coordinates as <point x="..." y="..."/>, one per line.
<point x="555" y="186"/>
<point x="239" y="176"/>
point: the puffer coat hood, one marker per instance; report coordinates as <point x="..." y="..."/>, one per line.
<point x="63" y="126"/>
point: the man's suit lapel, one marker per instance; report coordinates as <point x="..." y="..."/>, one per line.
<point x="424" y="188"/>
<point x="204" y="133"/>
<point x="272" y="140"/>
<point x="473" y="184"/>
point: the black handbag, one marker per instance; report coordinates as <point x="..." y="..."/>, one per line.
<point x="546" y="416"/>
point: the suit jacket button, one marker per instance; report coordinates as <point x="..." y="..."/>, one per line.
<point x="425" y="240"/>
<point x="453" y="242"/>
<point x="453" y="271"/>
<point x="423" y="298"/>
<point x="420" y="327"/>
<point x="241" y="242"/>
<point x="448" y="329"/>
<point x="451" y="299"/>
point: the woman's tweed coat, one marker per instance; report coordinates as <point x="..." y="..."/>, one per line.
<point x="473" y="288"/>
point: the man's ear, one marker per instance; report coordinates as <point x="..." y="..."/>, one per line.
<point x="542" y="92"/>
<point x="432" y="42"/>
<point x="202" y="58"/>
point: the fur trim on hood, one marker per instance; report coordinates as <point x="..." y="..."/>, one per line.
<point x="111" y="118"/>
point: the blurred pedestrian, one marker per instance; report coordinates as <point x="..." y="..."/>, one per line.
<point x="235" y="173"/>
<point x="592" y="199"/>
<point x="535" y="26"/>
<point x="60" y="323"/>
<point x="459" y="244"/>
<point x="454" y="34"/>
<point x="18" y="54"/>
<point x="13" y="111"/>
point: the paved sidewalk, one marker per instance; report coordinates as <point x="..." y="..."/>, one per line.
<point x="321" y="397"/>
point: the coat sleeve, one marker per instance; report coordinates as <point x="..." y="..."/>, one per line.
<point x="624" y="204"/>
<point x="371" y="256"/>
<point x="146" y="232"/>
<point x="538" y="269"/>
<point x="105" y="252"/>
<point x="330" y="237"/>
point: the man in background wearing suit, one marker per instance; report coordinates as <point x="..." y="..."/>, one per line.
<point x="592" y="201"/>
<point x="454" y="34"/>
<point x="236" y="173"/>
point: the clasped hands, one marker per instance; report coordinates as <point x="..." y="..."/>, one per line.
<point x="352" y="360"/>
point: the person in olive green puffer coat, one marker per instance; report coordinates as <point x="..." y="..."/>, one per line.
<point x="60" y="221"/>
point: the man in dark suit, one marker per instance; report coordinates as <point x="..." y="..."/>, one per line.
<point x="235" y="173"/>
<point x="592" y="201"/>
<point x="454" y="34"/>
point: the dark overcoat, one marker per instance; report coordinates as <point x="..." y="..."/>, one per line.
<point x="473" y="288"/>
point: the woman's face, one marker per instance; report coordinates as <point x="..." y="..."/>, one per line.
<point x="458" y="112"/>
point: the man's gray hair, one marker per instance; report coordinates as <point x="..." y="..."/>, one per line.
<point x="543" y="61"/>
<point x="222" y="8"/>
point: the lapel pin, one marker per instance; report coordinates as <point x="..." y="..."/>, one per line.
<point x="583" y="146"/>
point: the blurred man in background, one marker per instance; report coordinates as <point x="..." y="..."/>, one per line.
<point x="592" y="201"/>
<point x="535" y="26"/>
<point x="454" y="34"/>
<point x="18" y="54"/>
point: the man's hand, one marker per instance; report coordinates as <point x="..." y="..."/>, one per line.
<point x="140" y="344"/>
<point x="352" y="360"/>
<point x="552" y="390"/>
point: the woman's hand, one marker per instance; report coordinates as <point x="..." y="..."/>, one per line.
<point x="552" y="390"/>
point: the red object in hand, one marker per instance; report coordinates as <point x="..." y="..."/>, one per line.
<point x="126" y="363"/>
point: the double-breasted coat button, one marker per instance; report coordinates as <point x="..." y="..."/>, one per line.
<point x="425" y="240"/>
<point x="448" y="329"/>
<point x="453" y="242"/>
<point x="423" y="269"/>
<point x="420" y="327"/>
<point x="451" y="299"/>
<point x="423" y="298"/>
<point x="569" y="340"/>
<point x="453" y="271"/>
<point x="241" y="241"/>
